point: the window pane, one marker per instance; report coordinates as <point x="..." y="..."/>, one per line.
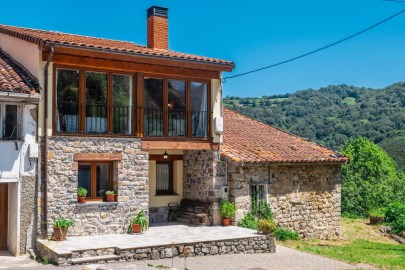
<point x="103" y="179"/>
<point x="67" y="101"/>
<point x="177" y="107"/>
<point x="96" y="102"/>
<point x="162" y="179"/>
<point x="122" y="104"/>
<point x="199" y="109"/>
<point x="85" y="178"/>
<point x="153" y="95"/>
<point x="10" y="123"/>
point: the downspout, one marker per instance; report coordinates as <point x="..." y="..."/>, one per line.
<point x="46" y="142"/>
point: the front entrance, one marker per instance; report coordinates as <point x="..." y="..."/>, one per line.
<point x="3" y="216"/>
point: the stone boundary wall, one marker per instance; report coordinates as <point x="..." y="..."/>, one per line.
<point x="304" y="198"/>
<point x="130" y="182"/>
<point x="259" y="244"/>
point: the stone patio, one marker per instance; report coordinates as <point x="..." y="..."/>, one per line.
<point x="159" y="242"/>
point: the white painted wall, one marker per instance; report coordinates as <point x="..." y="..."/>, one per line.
<point x="216" y="100"/>
<point x="13" y="232"/>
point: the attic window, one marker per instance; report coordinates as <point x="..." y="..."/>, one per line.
<point x="9" y="128"/>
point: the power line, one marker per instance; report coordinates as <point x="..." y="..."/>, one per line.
<point x="314" y="51"/>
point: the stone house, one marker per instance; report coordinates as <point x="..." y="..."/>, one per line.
<point x="298" y="178"/>
<point x="146" y="122"/>
<point x="19" y="97"/>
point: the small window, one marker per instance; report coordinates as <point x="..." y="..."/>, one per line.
<point x="96" y="178"/>
<point x="258" y="194"/>
<point x="9" y="129"/>
<point x="164" y="178"/>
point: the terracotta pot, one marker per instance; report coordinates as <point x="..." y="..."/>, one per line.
<point x="81" y="199"/>
<point x="376" y="220"/>
<point x="226" y="221"/>
<point x="60" y="233"/>
<point x="110" y="197"/>
<point x="136" y="228"/>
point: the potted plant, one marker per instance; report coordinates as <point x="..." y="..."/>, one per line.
<point x="377" y="216"/>
<point x="227" y="212"/>
<point x="60" y="227"/>
<point x="139" y="223"/>
<point x="81" y="194"/>
<point x="266" y="226"/>
<point x="110" y="196"/>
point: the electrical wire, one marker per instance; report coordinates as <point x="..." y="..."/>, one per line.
<point x="314" y="51"/>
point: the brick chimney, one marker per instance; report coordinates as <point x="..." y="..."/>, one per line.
<point x="158" y="28"/>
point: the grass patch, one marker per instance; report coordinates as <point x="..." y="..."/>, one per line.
<point x="361" y="244"/>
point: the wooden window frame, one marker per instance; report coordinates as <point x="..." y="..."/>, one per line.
<point x="188" y="82"/>
<point x="93" y="178"/>
<point x="171" y="179"/>
<point x="3" y="105"/>
<point x="82" y="102"/>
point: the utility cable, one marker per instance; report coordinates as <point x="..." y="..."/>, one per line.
<point x="314" y="51"/>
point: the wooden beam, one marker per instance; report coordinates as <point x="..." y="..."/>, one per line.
<point x="123" y="66"/>
<point x="97" y="157"/>
<point x="169" y="158"/>
<point x="179" y="145"/>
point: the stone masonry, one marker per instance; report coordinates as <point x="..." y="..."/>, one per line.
<point x="304" y="198"/>
<point x="203" y="178"/>
<point x="130" y="184"/>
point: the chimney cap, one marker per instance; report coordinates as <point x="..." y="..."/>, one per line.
<point x="157" y="11"/>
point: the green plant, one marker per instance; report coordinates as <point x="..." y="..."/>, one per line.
<point x="284" y="235"/>
<point x="227" y="209"/>
<point x="377" y="212"/>
<point x="61" y="222"/>
<point x="395" y="215"/>
<point x="110" y="192"/>
<point x="81" y="192"/>
<point x="249" y="221"/>
<point x="266" y="226"/>
<point x="140" y="219"/>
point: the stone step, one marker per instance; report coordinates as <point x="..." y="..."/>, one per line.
<point x="101" y="258"/>
<point x="184" y="220"/>
<point x="85" y="253"/>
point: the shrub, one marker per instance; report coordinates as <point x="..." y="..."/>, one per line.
<point x="262" y="212"/>
<point x="110" y="192"/>
<point x="395" y="215"/>
<point x="81" y="192"/>
<point x="227" y="209"/>
<point x="284" y="235"/>
<point x="377" y="212"/>
<point x="266" y="226"/>
<point x="249" y="221"/>
<point x="61" y="222"/>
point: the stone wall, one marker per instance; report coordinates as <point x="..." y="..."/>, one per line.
<point x="204" y="177"/>
<point x="130" y="184"/>
<point x="28" y="195"/>
<point x="304" y="198"/>
<point x="158" y="214"/>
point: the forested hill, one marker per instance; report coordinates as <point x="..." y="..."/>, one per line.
<point x="335" y="113"/>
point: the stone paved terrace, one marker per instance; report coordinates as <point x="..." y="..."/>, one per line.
<point x="156" y="243"/>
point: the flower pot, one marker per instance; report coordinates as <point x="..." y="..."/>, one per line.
<point x="110" y="197"/>
<point x="60" y="233"/>
<point x="376" y="220"/>
<point x="136" y="228"/>
<point x="226" y="221"/>
<point x="81" y="199"/>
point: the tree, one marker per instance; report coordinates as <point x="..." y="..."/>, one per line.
<point x="370" y="180"/>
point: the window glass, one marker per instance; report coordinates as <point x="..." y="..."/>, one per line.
<point x="258" y="194"/>
<point x="96" y="102"/>
<point x="153" y="102"/>
<point x="85" y="178"/>
<point x="67" y="101"/>
<point x="177" y="107"/>
<point x="10" y="122"/>
<point x="163" y="178"/>
<point x="102" y="179"/>
<point x="199" y="109"/>
<point x="122" y="104"/>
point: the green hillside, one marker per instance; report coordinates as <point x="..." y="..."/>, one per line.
<point x="335" y="113"/>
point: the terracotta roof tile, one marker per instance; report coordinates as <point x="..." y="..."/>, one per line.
<point x="15" y="78"/>
<point x="37" y="36"/>
<point x="250" y="141"/>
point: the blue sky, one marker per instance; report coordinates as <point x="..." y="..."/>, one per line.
<point x="250" y="33"/>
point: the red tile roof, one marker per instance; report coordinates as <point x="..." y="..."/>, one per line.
<point x="109" y="45"/>
<point x="15" y="78"/>
<point x="250" y="141"/>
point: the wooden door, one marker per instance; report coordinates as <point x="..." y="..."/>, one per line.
<point x="3" y="216"/>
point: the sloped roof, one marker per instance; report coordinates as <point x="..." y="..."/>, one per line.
<point x="107" y="45"/>
<point x="15" y="78"/>
<point x="249" y="141"/>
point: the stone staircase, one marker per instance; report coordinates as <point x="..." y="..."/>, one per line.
<point x="192" y="219"/>
<point x="94" y="256"/>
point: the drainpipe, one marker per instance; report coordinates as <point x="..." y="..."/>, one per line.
<point x="46" y="141"/>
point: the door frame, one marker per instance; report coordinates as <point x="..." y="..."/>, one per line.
<point x="3" y="216"/>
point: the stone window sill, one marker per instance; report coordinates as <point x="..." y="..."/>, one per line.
<point x="95" y="203"/>
<point x="166" y="195"/>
